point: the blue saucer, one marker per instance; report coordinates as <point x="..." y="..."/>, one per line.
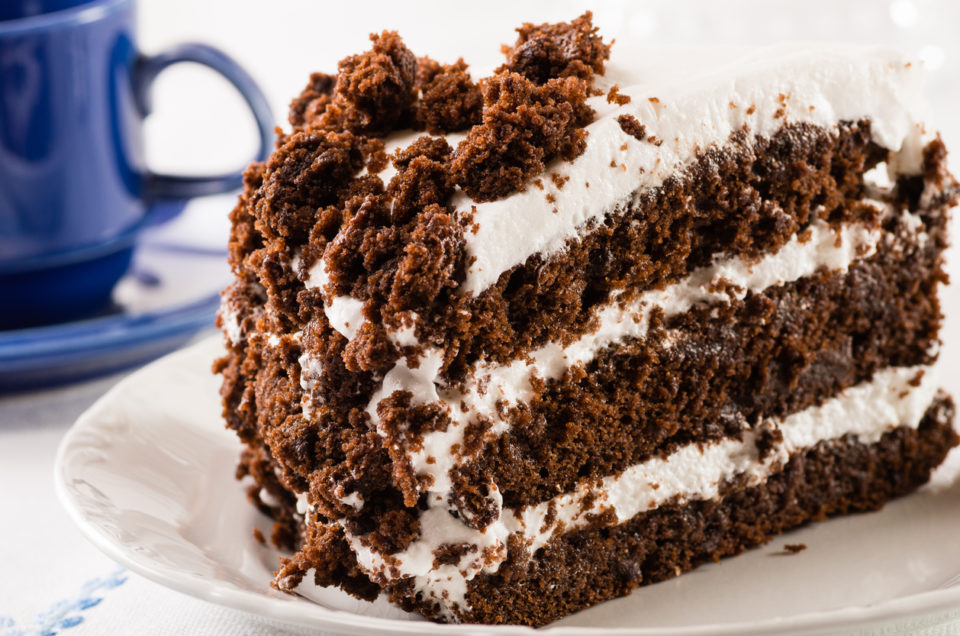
<point x="170" y="293"/>
<point x="74" y="283"/>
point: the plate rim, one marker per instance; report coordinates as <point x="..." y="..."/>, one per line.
<point x="929" y="603"/>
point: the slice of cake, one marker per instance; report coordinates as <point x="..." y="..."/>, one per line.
<point x="502" y="349"/>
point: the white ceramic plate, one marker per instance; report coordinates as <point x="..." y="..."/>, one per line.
<point x="147" y="474"/>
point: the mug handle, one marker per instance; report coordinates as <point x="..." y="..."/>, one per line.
<point x="165" y="186"/>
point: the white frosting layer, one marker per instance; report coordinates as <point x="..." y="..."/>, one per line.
<point x="345" y="313"/>
<point x="894" y="397"/>
<point x="231" y="324"/>
<point x="702" y="97"/>
<point x="310" y="371"/>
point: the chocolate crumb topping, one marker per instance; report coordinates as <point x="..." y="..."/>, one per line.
<point x="396" y="529"/>
<point x="547" y="51"/>
<point x="313" y="100"/>
<point x="449" y="99"/>
<point x="630" y="125"/>
<point x="311" y="194"/>
<point x="305" y="174"/>
<point x="429" y="262"/>
<point x="451" y="553"/>
<point x="371" y="94"/>
<point x="422" y="179"/>
<point x="614" y="96"/>
<point x="434" y="148"/>
<point x="377" y="87"/>
<point x="525" y="125"/>
<point x="375" y="153"/>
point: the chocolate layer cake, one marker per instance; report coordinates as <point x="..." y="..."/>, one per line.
<point x="502" y="349"/>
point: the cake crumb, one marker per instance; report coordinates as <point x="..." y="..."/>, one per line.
<point x="313" y="100"/>
<point x="782" y="111"/>
<point x="630" y="125"/>
<point x="548" y="51"/>
<point x="916" y="379"/>
<point x="449" y="98"/>
<point x="614" y="96"/>
<point x="656" y="141"/>
<point x="525" y="126"/>
<point x="793" y="548"/>
<point x="375" y="152"/>
<point x="374" y="90"/>
<point x="258" y="535"/>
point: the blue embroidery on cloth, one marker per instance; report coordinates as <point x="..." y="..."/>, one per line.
<point x="67" y="613"/>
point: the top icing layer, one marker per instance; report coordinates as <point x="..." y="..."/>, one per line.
<point x="688" y="100"/>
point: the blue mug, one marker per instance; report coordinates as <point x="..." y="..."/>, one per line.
<point x="74" y="187"/>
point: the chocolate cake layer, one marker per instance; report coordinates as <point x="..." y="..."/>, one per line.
<point x="591" y="565"/>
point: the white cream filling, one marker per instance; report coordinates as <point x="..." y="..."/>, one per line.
<point x="310" y="371"/>
<point x="701" y="98"/>
<point x="354" y="500"/>
<point x="404" y="336"/>
<point x="345" y="313"/>
<point x="894" y="397"/>
<point x="231" y="324"/>
<point x="303" y="506"/>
